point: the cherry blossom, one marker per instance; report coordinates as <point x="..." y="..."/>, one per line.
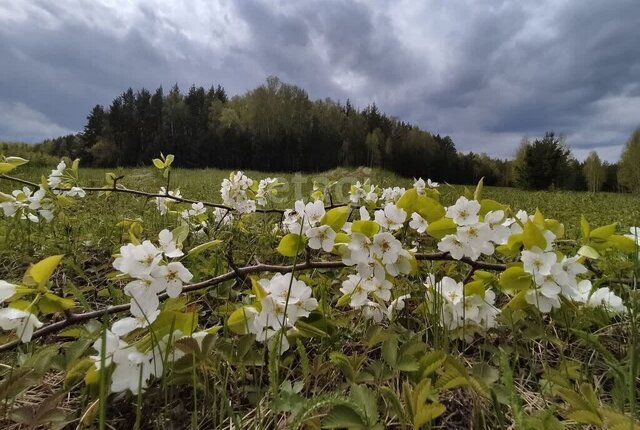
<point x="6" y="290"/>
<point x="464" y="212"/>
<point x="418" y="223"/>
<point x="321" y="237"/>
<point x="23" y="322"/>
<point x="391" y="217"/>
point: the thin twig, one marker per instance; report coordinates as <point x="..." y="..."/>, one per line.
<point x="123" y="189"/>
<point x="72" y="318"/>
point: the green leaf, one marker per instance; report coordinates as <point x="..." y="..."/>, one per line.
<point x="367" y="227"/>
<point x="584" y="417"/>
<point x="555" y="227"/>
<point x="517" y="302"/>
<point x="342" y="238"/>
<point x="40" y="272"/>
<point x="176" y="319"/>
<point x="429" y="209"/>
<point x="6" y="168"/>
<point x="431" y="362"/>
<point x="6" y="198"/>
<point x="601" y="234"/>
<point x="158" y="163"/>
<point x="310" y="330"/>
<point x="588" y="251"/>
<point x="482" y="275"/>
<point x="16" y="161"/>
<point x="390" y="351"/>
<point x="169" y="160"/>
<point x="239" y="319"/>
<point x="343" y="300"/>
<point x="475" y="287"/>
<point x="441" y="228"/>
<point x="532" y="237"/>
<point x="488" y="205"/>
<point x="408" y="201"/>
<point x="180" y="233"/>
<point x="109" y="177"/>
<point x="51" y="304"/>
<point x="408" y="363"/>
<point x="344" y="363"/>
<point x="428" y="412"/>
<point x="77" y="370"/>
<point x="257" y="289"/>
<point x="336" y="217"/>
<point x="478" y="192"/>
<point x="515" y="279"/>
<point x="538" y="218"/>
<point x="290" y="245"/>
<point x="622" y="243"/>
<point x="196" y="250"/>
<point x="343" y="416"/>
<point x="367" y="401"/>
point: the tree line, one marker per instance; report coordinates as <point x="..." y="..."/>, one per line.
<point x="274" y="127"/>
<point x="277" y="127"/>
<point x="547" y="163"/>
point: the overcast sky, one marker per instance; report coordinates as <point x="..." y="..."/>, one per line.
<point x="484" y="72"/>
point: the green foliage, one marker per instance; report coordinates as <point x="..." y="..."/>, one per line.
<point x="336" y="217"/>
<point x="274" y="127"/>
<point x="629" y="167"/>
<point x="291" y="245"/>
<point x="533" y="371"/>
<point x="543" y="163"/>
<point x="594" y="172"/>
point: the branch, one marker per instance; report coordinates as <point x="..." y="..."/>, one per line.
<point x="125" y="190"/>
<point x="72" y="318"/>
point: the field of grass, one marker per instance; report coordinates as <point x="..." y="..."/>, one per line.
<point x="568" y="206"/>
<point x="568" y="369"/>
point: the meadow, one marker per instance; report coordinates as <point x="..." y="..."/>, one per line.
<point x="436" y="341"/>
<point x="204" y="184"/>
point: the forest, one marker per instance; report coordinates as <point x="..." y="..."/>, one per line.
<point x="277" y="127"/>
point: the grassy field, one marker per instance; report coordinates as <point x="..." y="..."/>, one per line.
<point x="568" y="206"/>
<point x="525" y="361"/>
<point x="204" y="184"/>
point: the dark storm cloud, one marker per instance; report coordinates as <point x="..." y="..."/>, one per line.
<point x="486" y="73"/>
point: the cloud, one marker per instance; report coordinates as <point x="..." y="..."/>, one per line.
<point x="20" y="123"/>
<point x="485" y="73"/>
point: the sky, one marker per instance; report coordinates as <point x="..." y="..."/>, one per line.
<point x="486" y="72"/>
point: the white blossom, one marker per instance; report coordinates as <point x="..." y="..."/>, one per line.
<point x="396" y="306"/>
<point x="321" y="237"/>
<point x="418" y="223"/>
<point x="168" y="245"/>
<point x="386" y="247"/>
<point x="391" y="195"/>
<point x="162" y="203"/>
<point x="391" y="217"/>
<point x="235" y="193"/>
<point x="538" y="262"/>
<point x="420" y="185"/>
<point x="171" y="277"/>
<point x="464" y="212"/>
<point x="357" y="289"/>
<point x="454" y="246"/>
<point x="23" y="322"/>
<point x="6" y="290"/>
